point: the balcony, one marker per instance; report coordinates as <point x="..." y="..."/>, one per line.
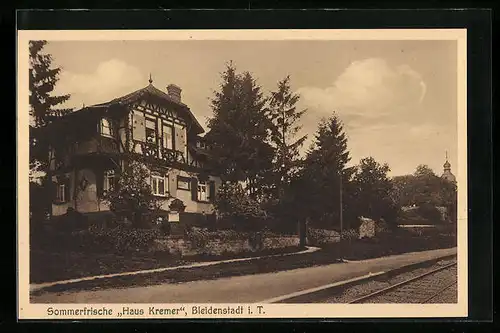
<point x="153" y="151"/>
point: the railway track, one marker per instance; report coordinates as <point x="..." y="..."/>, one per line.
<point x="431" y="281"/>
<point x="427" y="287"/>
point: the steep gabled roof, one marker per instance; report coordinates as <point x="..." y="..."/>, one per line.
<point x="136" y="95"/>
<point x="152" y="90"/>
<point x="133" y="96"/>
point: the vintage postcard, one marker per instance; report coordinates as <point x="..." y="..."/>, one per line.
<point x="242" y="174"/>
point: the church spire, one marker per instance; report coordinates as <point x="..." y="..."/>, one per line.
<point x="447" y="170"/>
<point x="447" y="165"/>
<point x="150" y="79"/>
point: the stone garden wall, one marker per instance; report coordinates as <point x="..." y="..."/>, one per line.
<point x="221" y="245"/>
<point x="318" y="237"/>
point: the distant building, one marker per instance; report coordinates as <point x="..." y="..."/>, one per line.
<point x="447" y="171"/>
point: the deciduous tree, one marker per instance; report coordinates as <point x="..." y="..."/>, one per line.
<point x="131" y="195"/>
<point x="372" y="191"/>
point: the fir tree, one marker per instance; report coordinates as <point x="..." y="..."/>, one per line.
<point x="239" y="129"/>
<point x="42" y="81"/>
<point x="325" y="167"/>
<point x="285" y="116"/>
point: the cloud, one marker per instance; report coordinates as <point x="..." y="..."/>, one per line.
<point x="110" y="79"/>
<point x="381" y="106"/>
<point x="369" y="88"/>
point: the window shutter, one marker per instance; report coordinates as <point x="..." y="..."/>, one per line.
<point x="194" y="189"/>
<point x="211" y="191"/>
<point x="172" y="186"/>
<point x="139" y="127"/>
<point x="180" y="138"/>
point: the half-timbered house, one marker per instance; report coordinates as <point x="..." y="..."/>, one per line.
<point x="90" y="146"/>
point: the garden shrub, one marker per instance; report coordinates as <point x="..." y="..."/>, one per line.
<point x="429" y="212"/>
<point x="120" y="239"/>
<point x="165" y="228"/>
<point x="197" y="236"/>
<point x="177" y="205"/>
<point x="234" y="204"/>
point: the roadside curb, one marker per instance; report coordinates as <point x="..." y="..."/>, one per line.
<point x="308" y="295"/>
<point x="41" y="286"/>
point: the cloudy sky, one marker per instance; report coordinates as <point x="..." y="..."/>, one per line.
<point x="397" y="99"/>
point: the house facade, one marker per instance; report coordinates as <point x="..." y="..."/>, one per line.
<point x="89" y="147"/>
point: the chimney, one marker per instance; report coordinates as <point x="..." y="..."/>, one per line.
<point x="174" y="92"/>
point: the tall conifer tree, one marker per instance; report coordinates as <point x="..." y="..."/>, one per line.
<point x="325" y="167"/>
<point x="285" y="116"/>
<point x="239" y="128"/>
<point x="42" y="80"/>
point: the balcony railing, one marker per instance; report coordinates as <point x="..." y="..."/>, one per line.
<point x="96" y="145"/>
<point x="151" y="150"/>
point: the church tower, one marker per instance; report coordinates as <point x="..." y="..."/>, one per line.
<point x="447" y="171"/>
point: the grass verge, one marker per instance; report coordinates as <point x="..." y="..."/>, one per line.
<point x="52" y="266"/>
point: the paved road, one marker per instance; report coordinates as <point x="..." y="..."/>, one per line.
<point x="242" y="289"/>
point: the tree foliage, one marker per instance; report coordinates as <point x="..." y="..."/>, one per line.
<point x="42" y="80"/>
<point x="372" y="191"/>
<point x="285" y="117"/>
<point x="425" y="189"/>
<point x="239" y="128"/>
<point x="131" y="197"/>
<point x="234" y="203"/>
<point x="318" y="187"/>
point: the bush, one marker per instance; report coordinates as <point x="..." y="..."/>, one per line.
<point x="429" y="212"/>
<point x="198" y="236"/>
<point x="234" y="204"/>
<point x="177" y="205"/>
<point x="165" y="228"/>
<point x="100" y="240"/>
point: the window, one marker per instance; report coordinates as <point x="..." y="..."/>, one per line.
<point x="159" y="185"/>
<point x="109" y="180"/>
<point x="61" y="193"/>
<point x="150" y="131"/>
<point x="167" y="137"/>
<point x="106" y="129"/>
<point x="183" y="183"/>
<point x="202" y="191"/>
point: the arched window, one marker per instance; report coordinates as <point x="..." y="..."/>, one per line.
<point x="106" y="129"/>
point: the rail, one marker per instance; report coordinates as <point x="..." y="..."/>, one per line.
<point x="396" y="286"/>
